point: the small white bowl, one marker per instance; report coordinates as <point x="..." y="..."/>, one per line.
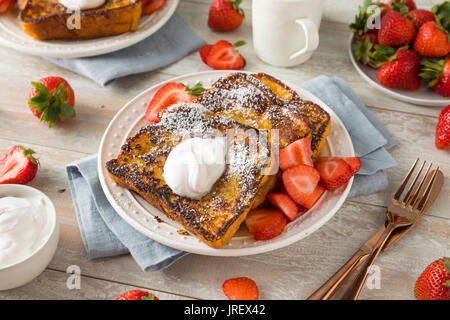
<point x="25" y="270"/>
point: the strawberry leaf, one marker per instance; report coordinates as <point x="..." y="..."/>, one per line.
<point x="239" y="43"/>
<point x="442" y="15"/>
<point x="28" y="153"/>
<point x="151" y="296"/>
<point x="236" y="4"/>
<point x="67" y="111"/>
<point x="196" y="90"/>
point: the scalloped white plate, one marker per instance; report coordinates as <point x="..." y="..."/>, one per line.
<point x="11" y="35"/>
<point x="423" y="97"/>
<point x="144" y="218"/>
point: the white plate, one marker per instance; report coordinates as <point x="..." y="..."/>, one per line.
<point x="11" y="35"/>
<point x="141" y="215"/>
<point x="424" y="96"/>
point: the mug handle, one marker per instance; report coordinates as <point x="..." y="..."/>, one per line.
<point x="311" y="37"/>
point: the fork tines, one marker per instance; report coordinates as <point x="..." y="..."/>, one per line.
<point x="416" y="196"/>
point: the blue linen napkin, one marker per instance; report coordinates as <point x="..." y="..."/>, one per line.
<point x="369" y="136"/>
<point x="169" y="44"/>
<point x="105" y="233"/>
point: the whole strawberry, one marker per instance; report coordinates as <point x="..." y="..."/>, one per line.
<point x="431" y="41"/>
<point x="438" y="72"/>
<point x="137" y="295"/>
<point x="402" y="72"/>
<point x="395" y="30"/>
<point x="18" y="166"/>
<point x="434" y="282"/>
<point x="420" y="16"/>
<point x="225" y="15"/>
<point x="442" y="140"/>
<point x="52" y="99"/>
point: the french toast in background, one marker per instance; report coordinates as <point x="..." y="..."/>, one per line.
<point x="47" y="19"/>
<point x="215" y="217"/>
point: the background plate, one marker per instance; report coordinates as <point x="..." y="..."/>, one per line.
<point x="424" y="96"/>
<point x="144" y="218"/>
<point x="11" y="35"/>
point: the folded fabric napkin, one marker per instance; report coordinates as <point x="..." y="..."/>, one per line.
<point x="169" y="44"/>
<point x="369" y="136"/>
<point x="105" y="233"/>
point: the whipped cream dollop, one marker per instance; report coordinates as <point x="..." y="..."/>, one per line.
<point x="82" y="4"/>
<point x="22" y="228"/>
<point x="194" y="165"/>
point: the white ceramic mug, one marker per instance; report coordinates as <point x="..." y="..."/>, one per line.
<point x="286" y="32"/>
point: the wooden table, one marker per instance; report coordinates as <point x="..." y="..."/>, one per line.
<point x="293" y="272"/>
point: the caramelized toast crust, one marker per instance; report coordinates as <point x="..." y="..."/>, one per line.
<point x="47" y="19"/>
<point x="216" y="216"/>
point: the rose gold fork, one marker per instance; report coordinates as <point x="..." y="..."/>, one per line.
<point x="375" y="242"/>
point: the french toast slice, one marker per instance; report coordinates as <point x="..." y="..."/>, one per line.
<point x="264" y="102"/>
<point x="216" y="217"/>
<point x="48" y="19"/>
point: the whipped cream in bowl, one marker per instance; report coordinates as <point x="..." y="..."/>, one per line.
<point x="28" y="234"/>
<point x="194" y="166"/>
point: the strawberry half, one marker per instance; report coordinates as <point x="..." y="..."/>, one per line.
<point x="333" y="173"/>
<point x="241" y="288"/>
<point x="204" y="52"/>
<point x="284" y="203"/>
<point x="137" y="295"/>
<point x="151" y="6"/>
<point x="298" y="152"/>
<point x="442" y="140"/>
<point x="52" y="99"/>
<point x="18" y="166"/>
<point x="224" y="56"/>
<point x="265" y="224"/>
<point x="434" y="282"/>
<point x="225" y="15"/>
<point x="300" y="182"/>
<point x="170" y="94"/>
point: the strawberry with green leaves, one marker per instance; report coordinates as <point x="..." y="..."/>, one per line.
<point x="395" y="30"/>
<point x="434" y="282"/>
<point x="137" y="295"/>
<point x="169" y="94"/>
<point x="224" y="56"/>
<point x="225" y="15"/>
<point x="18" y="166"/>
<point x="52" y="99"/>
<point x="420" y="16"/>
<point x="438" y="72"/>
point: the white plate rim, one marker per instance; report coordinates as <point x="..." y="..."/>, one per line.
<point x="393" y="94"/>
<point x="41" y="48"/>
<point x="203" y="249"/>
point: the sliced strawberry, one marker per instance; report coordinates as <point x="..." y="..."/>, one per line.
<point x="18" y="166"/>
<point x="170" y="94"/>
<point x="298" y="152"/>
<point x="241" y="288"/>
<point x="151" y="6"/>
<point x="354" y="163"/>
<point x="284" y="203"/>
<point x="313" y="197"/>
<point x="223" y="56"/>
<point x="204" y="52"/>
<point x="333" y="173"/>
<point x="265" y="224"/>
<point x="300" y="182"/>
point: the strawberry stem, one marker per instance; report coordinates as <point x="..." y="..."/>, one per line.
<point x="28" y="153"/>
<point x="196" y="90"/>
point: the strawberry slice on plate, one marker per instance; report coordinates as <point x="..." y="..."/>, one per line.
<point x="284" y="203"/>
<point x="170" y="94"/>
<point x="298" y="152"/>
<point x="265" y="224"/>
<point x="312" y="198"/>
<point x="300" y="183"/>
<point x="18" y="166"/>
<point x="241" y="288"/>
<point x="353" y="162"/>
<point x="224" y="56"/>
<point x="334" y="172"/>
<point x="151" y="6"/>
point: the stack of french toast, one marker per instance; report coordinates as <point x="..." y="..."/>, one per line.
<point x="241" y="102"/>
